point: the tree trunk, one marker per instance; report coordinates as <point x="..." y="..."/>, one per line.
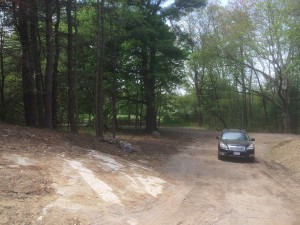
<point x="114" y="90"/>
<point x="283" y="92"/>
<point x="35" y="61"/>
<point x="244" y="112"/>
<point x="149" y="86"/>
<point x="99" y="92"/>
<point x="2" y="74"/>
<point x="55" y="67"/>
<point x="198" y="81"/>
<point x="72" y="107"/>
<point x="138" y="108"/>
<point x="219" y="113"/>
<point x="250" y="101"/>
<point x="28" y="84"/>
<point x="287" y="124"/>
<point x="49" y="65"/>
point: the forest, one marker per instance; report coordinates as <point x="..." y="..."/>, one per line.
<point x="98" y="64"/>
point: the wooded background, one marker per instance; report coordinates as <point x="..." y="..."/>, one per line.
<point x="99" y="63"/>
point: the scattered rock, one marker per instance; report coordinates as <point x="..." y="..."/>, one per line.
<point x="156" y="134"/>
<point x="125" y="146"/>
<point x="110" y="140"/>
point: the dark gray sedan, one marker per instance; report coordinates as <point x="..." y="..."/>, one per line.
<point x="236" y="144"/>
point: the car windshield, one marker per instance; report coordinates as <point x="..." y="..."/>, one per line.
<point x="235" y="136"/>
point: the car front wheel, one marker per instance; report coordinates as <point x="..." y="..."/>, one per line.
<point x="220" y="157"/>
<point x="251" y="159"/>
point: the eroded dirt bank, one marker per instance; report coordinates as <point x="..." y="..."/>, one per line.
<point x="52" y="178"/>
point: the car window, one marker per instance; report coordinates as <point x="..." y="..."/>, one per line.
<point x="235" y="136"/>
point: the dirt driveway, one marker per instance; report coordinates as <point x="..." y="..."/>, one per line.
<point x="50" y="178"/>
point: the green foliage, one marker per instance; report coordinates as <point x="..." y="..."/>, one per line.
<point x="178" y="110"/>
<point x="244" y="58"/>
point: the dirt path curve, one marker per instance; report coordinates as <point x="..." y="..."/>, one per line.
<point x="191" y="188"/>
<point x="209" y="191"/>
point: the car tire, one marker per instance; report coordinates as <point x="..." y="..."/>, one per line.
<point x="252" y="159"/>
<point x="220" y="157"/>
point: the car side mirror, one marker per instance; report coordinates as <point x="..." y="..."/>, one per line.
<point x="218" y="137"/>
<point x="252" y="139"/>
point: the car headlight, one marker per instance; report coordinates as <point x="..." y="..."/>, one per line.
<point x="223" y="146"/>
<point x="250" y="147"/>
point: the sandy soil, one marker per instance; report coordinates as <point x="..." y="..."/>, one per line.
<point x="176" y="179"/>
